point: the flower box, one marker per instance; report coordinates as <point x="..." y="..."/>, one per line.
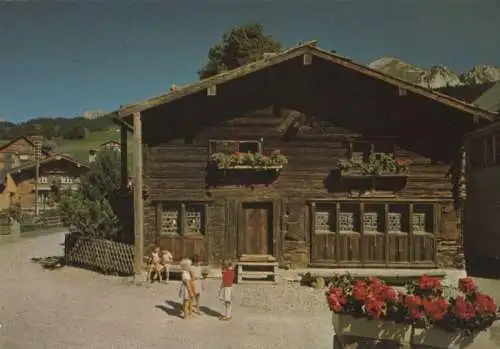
<point x="249" y="161"/>
<point x="347" y="325"/>
<point x="421" y="316"/>
<point x="435" y="337"/>
<point x="349" y="174"/>
<point x="249" y="167"/>
<point x="377" y="165"/>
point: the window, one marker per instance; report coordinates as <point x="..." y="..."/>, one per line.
<point x="226" y="146"/>
<point x="43" y="180"/>
<point x="66" y="180"/>
<point x="373" y="218"/>
<point x="422" y="219"/>
<point x="394" y="222"/>
<point x="377" y="218"/>
<point x="43" y="198"/>
<point x="360" y="150"/>
<point x="23" y="157"/>
<point x="183" y="219"/>
<point x="170" y="218"/>
<point x="194" y="220"/>
<point x="349" y="218"/>
<point x="325" y="219"/>
<point x="398" y="220"/>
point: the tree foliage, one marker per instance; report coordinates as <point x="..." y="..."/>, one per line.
<point x="75" y="132"/>
<point x="89" y="209"/>
<point x="238" y="47"/>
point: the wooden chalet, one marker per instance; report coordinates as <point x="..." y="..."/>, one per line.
<point x="110" y="145"/>
<point x="306" y="156"/>
<point x="19" y="151"/>
<point x="17" y="184"/>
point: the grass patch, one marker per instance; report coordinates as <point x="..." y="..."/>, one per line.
<point x="79" y="149"/>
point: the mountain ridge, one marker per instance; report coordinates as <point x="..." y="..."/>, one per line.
<point x="437" y="76"/>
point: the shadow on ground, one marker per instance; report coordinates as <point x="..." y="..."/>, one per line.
<point x="175" y="309"/>
<point x="50" y="263"/>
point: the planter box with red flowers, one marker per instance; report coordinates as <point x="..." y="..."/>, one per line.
<point x="456" y="322"/>
<point x="368" y="309"/>
<point x="422" y="315"/>
<point x="249" y="161"/>
<point x="378" y="165"/>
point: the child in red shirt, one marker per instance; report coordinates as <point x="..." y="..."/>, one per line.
<point x="226" y="289"/>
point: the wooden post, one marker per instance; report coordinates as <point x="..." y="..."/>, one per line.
<point x="138" y="200"/>
<point x="124" y="158"/>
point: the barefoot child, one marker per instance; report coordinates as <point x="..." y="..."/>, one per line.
<point x="154" y="268"/>
<point x="196" y="273"/>
<point x="167" y="259"/>
<point x="226" y="289"/>
<point x="186" y="291"/>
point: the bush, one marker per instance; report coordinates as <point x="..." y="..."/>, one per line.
<point x="88" y="209"/>
<point x="76" y="132"/>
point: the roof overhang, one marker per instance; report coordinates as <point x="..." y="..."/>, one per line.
<point x="123" y="115"/>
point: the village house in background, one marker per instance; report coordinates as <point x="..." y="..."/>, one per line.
<point x="17" y="184"/>
<point x="111" y="145"/>
<point x="20" y="151"/>
<point x="304" y="156"/>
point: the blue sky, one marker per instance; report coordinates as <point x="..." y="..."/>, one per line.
<point x="62" y="58"/>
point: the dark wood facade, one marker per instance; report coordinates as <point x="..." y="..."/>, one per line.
<point x="482" y="208"/>
<point x="307" y="212"/>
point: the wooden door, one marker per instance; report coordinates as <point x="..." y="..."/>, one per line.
<point x="255" y="238"/>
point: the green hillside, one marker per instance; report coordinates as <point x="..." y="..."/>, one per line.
<point x="79" y="149"/>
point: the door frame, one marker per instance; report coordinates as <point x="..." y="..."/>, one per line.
<point x="275" y="226"/>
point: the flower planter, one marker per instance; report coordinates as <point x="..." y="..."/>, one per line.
<point x="248" y="167"/>
<point x="438" y="338"/>
<point x="346" y="325"/>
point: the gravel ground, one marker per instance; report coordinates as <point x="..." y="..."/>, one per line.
<point x="73" y="308"/>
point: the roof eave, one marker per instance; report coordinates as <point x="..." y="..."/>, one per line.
<point x="310" y="47"/>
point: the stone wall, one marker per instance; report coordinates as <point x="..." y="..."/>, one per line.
<point x="450" y="253"/>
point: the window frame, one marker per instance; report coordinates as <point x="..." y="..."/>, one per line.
<point x="182" y="226"/>
<point x="43" y="180"/>
<point x="432" y="221"/>
<point x="372" y="148"/>
<point x="66" y="180"/>
<point x="212" y="144"/>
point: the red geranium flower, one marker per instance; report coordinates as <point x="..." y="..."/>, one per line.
<point x="435" y="308"/>
<point x="463" y="309"/>
<point x="467" y="285"/>
<point x="413" y="302"/>
<point x="429" y="283"/>
<point x="374" y="307"/>
<point x="484" y="304"/>
<point x="360" y="290"/>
